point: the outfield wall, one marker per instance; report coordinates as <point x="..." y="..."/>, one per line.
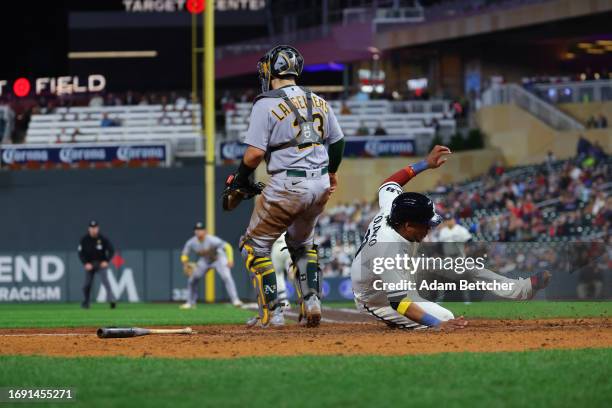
<point x="148" y="214"/>
<point x="134" y="276"/>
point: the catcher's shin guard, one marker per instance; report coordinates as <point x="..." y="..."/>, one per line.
<point x="263" y="277"/>
<point x="308" y="279"/>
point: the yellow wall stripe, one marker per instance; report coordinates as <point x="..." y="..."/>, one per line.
<point x="209" y="286"/>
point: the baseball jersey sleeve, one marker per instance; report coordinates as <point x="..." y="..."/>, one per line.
<point x="334" y="130"/>
<point x="218" y="244"/>
<point x="387" y="193"/>
<point x="187" y="248"/>
<point x="258" y="133"/>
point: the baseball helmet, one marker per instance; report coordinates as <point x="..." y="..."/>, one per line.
<point x="280" y="62"/>
<point x="413" y="207"/>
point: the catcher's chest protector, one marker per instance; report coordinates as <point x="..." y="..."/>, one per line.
<point x="307" y="135"/>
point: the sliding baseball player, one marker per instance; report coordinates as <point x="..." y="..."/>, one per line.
<point x="401" y="224"/>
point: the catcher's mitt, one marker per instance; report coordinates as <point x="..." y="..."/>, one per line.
<point x="188" y="268"/>
<point x="235" y="192"/>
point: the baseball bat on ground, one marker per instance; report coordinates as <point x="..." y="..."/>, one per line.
<point x="123" y="332"/>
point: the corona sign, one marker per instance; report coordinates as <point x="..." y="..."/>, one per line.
<point x="64" y="85"/>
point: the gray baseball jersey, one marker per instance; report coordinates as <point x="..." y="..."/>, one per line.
<point x="272" y="123"/>
<point x="208" y="250"/>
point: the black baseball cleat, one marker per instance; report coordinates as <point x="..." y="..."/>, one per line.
<point x="113" y="305"/>
<point x="84" y="306"/>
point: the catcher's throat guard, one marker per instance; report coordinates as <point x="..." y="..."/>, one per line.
<point x="234" y="193"/>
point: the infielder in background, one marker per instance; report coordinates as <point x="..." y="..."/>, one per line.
<point x="298" y="136"/>
<point x="95" y="251"/>
<point x="401" y="224"/>
<point x="213" y="253"/>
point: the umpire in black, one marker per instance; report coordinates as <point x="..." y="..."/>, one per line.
<point x="95" y="251"/>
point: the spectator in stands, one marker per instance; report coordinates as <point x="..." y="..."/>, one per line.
<point x="75" y="133"/>
<point x="583" y="147"/>
<point x="108" y="122"/>
<point x="112" y="100"/>
<point x="602" y="121"/>
<point x="591" y="123"/>
<point x="181" y="102"/>
<point x="550" y="160"/>
<point x="380" y="130"/>
<point x="436" y="125"/>
<point x="144" y="100"/>
<point x="457" y="109"/>
<point x="3" y="128"/>
<point x="598" y="204"/>
<point x="96" y="101"/>
<point x="598" y="152"/>
<point x="496" y="169"/>
<point x="165" y="103"/>
<point x="344" y="109"/>
<point x="130" y="98"/>
<point x="43" y="104"/>
<point x="22" y="121"/>
<point x="228" y="105"/>
<point x="362" y="130"/>
<point x="61" y="136"/>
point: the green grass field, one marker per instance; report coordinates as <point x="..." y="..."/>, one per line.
<point x="71" y="315"/>
<point x="535" y="378"/>
<point x="547" y="378"/>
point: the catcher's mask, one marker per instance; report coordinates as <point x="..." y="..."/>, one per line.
<point x="280" y="62"/>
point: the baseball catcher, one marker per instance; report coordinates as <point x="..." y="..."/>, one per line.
<point x="298" y="136"/>
<point x="401" y="224"/>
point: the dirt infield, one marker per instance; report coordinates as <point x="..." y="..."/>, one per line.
<point x="341" y="333"/>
